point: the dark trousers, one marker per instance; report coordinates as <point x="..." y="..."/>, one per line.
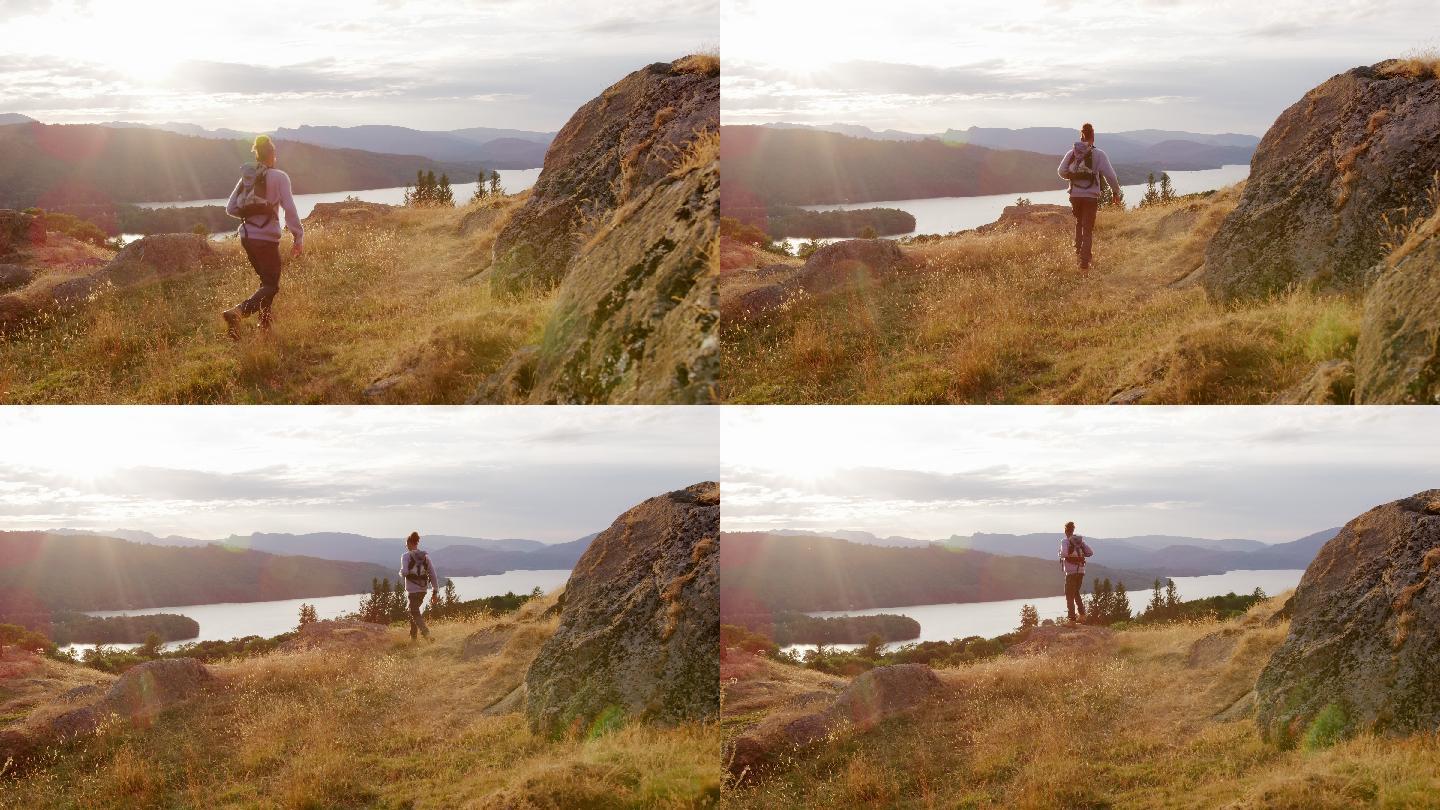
<point x="1084" y="208"/>
<point x="417" y="621"/>
<point x="1073" y="601"/>
<point x="265" y="258"/>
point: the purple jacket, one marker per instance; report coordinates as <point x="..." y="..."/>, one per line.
<point x="1076" y="545"/>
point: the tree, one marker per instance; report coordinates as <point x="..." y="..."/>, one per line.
<point x="873" y="643"/>
<point x="1157" y="602"/>
<point x="808" y="248"/>
<point x="1172" y="595"/>
<point x="451" y="597"/>
<point x="1022" y="202"/>
<point x="495" y="189"/>
<point x="1152" y="197"/>
<point x="1120" y="606"/>
<point x="200" y="229"/>
<point x="1259" y="594"/>
<point x="868" y="232"/>
<point x="1167" y="190"/>
<point x="443" y="195"/>
<point x="399" y="605"/>
<point x="408" y="198"/>
<point x="480" y="192"/>
<point x="1029" y="617"/>
<point x="151" y="647"/>
<point x="1109" y="196"/>
<point x="1094" y="607"/>
<point x="307" y="614"/>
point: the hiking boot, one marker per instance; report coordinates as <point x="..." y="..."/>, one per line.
<point x="232" y="318"/>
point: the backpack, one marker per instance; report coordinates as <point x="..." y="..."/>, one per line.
<point x="420" y="561"/>
<point x="1082" y="170"/>
<point x="252" y="194"/>
<point x="1072" y="550"/>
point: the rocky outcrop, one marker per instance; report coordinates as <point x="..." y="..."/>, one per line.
<point x="139" y="695"/>
<point x="637" y="318"/>
<point x="350" y="211"/>
<point x="150" y="258"/>
<point x="873" y="697"/>
<point x="1397" y="359"/>
<point x="332" y="633"/>
<point x="486" y="641"/>
<point x="19" y="229"/>
<point x="1033" y="215"/>
<point x="837" y="265"/>
<point x="1362" y="651"/>
<point x="1359" y="147"/>
<point x="610" y="150"/>
<point x="639" y="629"/>
<point x="14" y="276"/>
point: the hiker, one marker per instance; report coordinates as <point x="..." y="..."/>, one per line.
<point x="257" y="199"/>
<point x="418" y="571"/>
<point x="1086" y="167"/>
<point x="1073" y="551"/>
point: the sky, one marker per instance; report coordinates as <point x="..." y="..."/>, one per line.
<point x="525" y="64"/>
<point x="1267" y="473"/>
<point x="928" y="65"/>
<point x="543" y="473"/>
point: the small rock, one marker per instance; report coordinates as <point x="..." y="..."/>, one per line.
<point x="1128" y="396"/>
<point x="1330" y="383"/>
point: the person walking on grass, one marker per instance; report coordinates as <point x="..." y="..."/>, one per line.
<point x="1073" y="551"/>
<point x="1086" y="168"/>
<point x="256" y="201"/>
<point x="418" y="571"/>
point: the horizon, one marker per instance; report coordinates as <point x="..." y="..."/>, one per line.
<point x="938" y="133"/>
<point x="399" y="538"/>
<point x="271" y="130"/>
<point x="545" y="473"/>
<point x="523" y="64"/>
<point x="1057" y="533"/>
<point x="1179" y="64"/>
<point x="1209" y="472"/>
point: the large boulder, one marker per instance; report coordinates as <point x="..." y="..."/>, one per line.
<point x="832" y="267"/>
<point x="351" y="211"/>
<point x="637" y="318"/>
<point x="1362" y="652"/>
<point x="139" y="695"/>
<point x="610" y="150"/>
<point x="875" y="696"/>
<point x="14" y="276"/>
<point x="639" y="633"/>
<point x="157" y="256"/>
<point x="1398" y="357"/>
<point x="1361" y="146"/>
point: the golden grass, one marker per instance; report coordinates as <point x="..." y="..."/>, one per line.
<point x="1007" y="318"/>
<point x="399" y="726"/>
<point x="1424" y="65"/>
<point x="397" y="300"/>
<point x="706" y="63"/>
<point x="1132" y="728"/>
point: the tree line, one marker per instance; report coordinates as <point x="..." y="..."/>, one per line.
<point x="429" y="192"/>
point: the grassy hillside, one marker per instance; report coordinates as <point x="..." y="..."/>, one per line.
<point x="393" y="301"/>
<point x="1005" y="317"/>
<point x="369" y="725"/>
<point x="1152" y="717"/>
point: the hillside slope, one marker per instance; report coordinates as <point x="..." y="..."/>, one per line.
<point x="1146" y="717"/>
<point x="56" y="165"/>
<point x="1004" y="316"/>
<point x="102" y="573"/>
<point x="767" y="573"/>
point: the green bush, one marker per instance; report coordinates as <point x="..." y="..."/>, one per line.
<point x="1327" y="728"/>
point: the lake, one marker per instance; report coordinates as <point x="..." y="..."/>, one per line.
<point x="227" y="620"/>
<point x="942" y="215"/>
<point x="989" y="619"/>
<point x="513" y="180"/>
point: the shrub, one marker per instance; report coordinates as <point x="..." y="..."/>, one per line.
<point x="1328" y="728"/>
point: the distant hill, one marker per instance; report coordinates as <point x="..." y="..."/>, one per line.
<point x="497" y="148"/>
<point x="105" y="573"/>
<point x="764" y="166"/>
<point x="864" y="538"/>
<point x="1176" y="556"/>
<point x="767" y="572"/>
<point x="14" y="118"/>
<point x="854" y="130"/>
<point x="1149" y="148"/>
<point x="454" y="556"/>
<point x="57" y="165"/>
